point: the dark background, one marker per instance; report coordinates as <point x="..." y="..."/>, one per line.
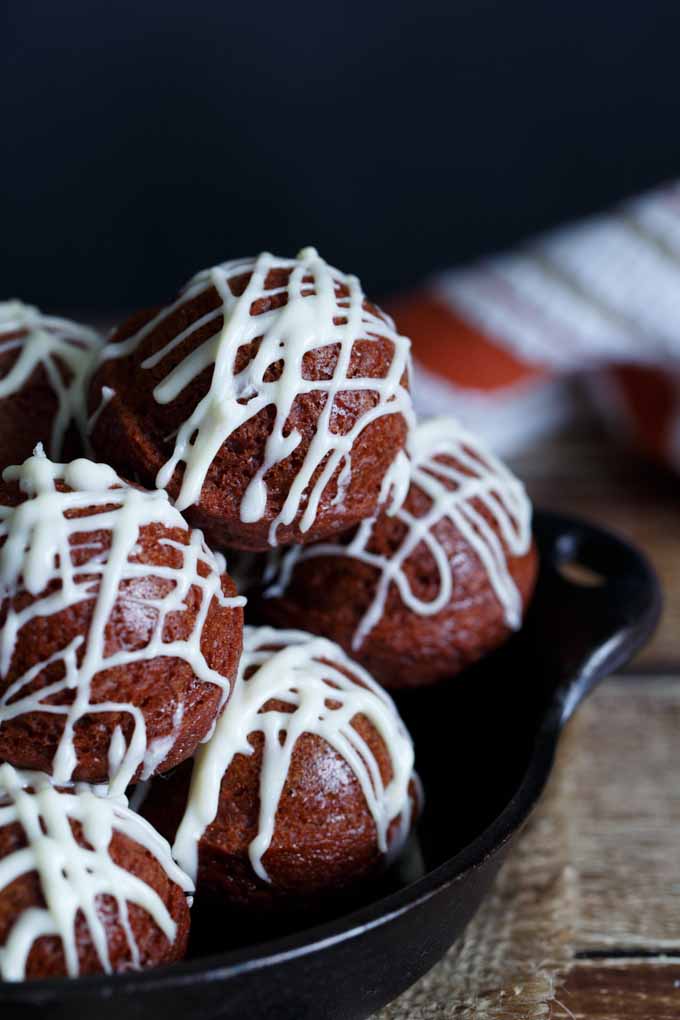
<point x="144" y="141"/>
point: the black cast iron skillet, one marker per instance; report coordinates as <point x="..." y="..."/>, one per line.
<point x="485" y="744"/>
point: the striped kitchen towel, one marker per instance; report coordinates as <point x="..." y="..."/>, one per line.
<point x="505" y="342"/>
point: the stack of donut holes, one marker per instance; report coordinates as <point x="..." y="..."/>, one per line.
<point x="249" y="448"/>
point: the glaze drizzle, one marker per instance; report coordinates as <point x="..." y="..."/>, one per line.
<point x="309" y="674"/>
<point x="73" y="877"/>
<point x="39" y="549"/>
<point x="455" y="493"/>
<point x="316" y="314"/>
<point x="50" y="342"/>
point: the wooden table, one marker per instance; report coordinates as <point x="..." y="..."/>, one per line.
<point x="584" y="921"/>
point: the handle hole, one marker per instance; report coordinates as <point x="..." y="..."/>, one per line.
<point x="581" y="575"/>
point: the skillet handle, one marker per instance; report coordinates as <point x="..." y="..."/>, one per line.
<point x="609" y="598"/>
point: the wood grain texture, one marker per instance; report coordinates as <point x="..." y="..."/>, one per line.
<point x="621" y="796"/>
<point x="627" y="990"/>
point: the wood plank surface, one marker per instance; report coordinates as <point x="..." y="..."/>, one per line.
<point x="627" y="989"/>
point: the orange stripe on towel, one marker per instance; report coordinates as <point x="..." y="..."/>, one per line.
<point x="450" y="347"/>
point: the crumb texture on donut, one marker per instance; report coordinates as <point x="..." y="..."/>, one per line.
<point x="269" y="400"/>
<point x="86" y="885"/>
<point x="120" y="634"/>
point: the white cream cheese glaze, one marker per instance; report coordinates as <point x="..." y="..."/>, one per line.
<point x="309" y="674"/>
<point x="73" y="877"/>
<point x="456" y="493"/>
<point x="55" y="345"/>
<point x="39" y="549"/>
<point x="306" y="322"/>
